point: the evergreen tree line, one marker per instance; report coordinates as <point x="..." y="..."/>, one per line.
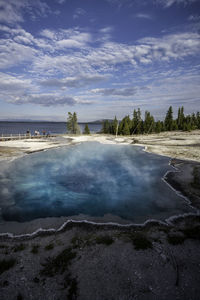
<point x="72" y="125"/>
<point x="137" y="125"/>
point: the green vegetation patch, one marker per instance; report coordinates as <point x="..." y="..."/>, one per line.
<point x="19" y="247"/>
<point x="80" y="242"/>
<point x="59" y="263"/>
<point x="35" y="249"/>
<point x="49" y="247"/>
<point x="140" y="241"/>
<point x="6" y="264"/>
<point x="104" y="239"/>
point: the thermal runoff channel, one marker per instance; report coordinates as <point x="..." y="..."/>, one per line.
<point x="90" y="179"/>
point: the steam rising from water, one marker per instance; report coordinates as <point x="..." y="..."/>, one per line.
<point x="91" y="179"/>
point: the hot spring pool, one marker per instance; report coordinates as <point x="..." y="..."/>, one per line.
<point x="91" y="179"/>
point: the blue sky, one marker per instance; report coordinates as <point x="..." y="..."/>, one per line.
<point x="100" y="58"/>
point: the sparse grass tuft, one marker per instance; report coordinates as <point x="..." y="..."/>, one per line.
<point x="6" y="264"/>
<point x="49" y="247"/>
<point x="140" y="241"/>
<point x="104" y="239"/>
<point x="34" y="249"/>
<point x="59" y="263"/>
<point x="19" y="247"/>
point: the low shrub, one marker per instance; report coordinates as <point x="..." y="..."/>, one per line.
<point x="35" y="249"/>
<point x="19" y="247"/>
<point x="140" y="241"/>
<point x="59" y="263"/>
<point x="6" y="264"/>
<point x="104" y="239"/>
<point x="49" y="247"/>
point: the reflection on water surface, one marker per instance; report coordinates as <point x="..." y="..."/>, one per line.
<point x="91" y="179"/>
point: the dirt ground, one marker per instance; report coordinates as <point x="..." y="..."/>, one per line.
<point x="104" y="262"/>
<point x="88" y="261"/>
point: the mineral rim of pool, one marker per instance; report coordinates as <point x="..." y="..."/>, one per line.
<point x="90" y="179"/>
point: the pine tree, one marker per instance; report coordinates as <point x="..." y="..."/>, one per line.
<point x="106" y="127"/>
<point x="115" y="126"/>
<point x="149" y="123"/>
<point x="86" y="129"/>
<point x="180" y="119"/>
<point x="193" y="121"/>
<point x="136" y="126"/>
<point x="198" y="119"/>
<point x="174" y="125"/>
<point x="72" y="124"/>
<point x="126" y="129"/>
<point x="158" y="127"/>
<point x="125" y="126"/>
<point x="169" y="119"/>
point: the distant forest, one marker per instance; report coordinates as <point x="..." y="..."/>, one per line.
<point x="137" y="125"/>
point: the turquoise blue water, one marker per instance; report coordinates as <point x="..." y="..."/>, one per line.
<point x="91" y="179"/>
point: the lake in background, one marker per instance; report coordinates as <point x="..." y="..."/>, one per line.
<point x="92" y="179"/>
<point x="52" y="127"/>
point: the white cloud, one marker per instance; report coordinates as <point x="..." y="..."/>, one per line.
<point x="11" y="84"/>
<point x="168" y="3"/>
<point x="174" y="46"/>
<point x="78" y="13"/>
<point x="194" y="18"/>
<point x="12" y="53"/>
<point x="45" y="99"/>
<point x="66" y="38"/>
<point x="107" y="29"/>
<point x="13" y="11"/>
<point x="124" y="92"/>
<point x="60" y="1"/>
<point x="143" y="16"/>
<point x="17" y="90"/>
<point x="77" y="82"/>
<point x="51" y="53"/>
<point x="111" y="56"/>
<point x="71" y="60"/>
<point x="69" y="43"/>
<point x="50" y="34"/>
